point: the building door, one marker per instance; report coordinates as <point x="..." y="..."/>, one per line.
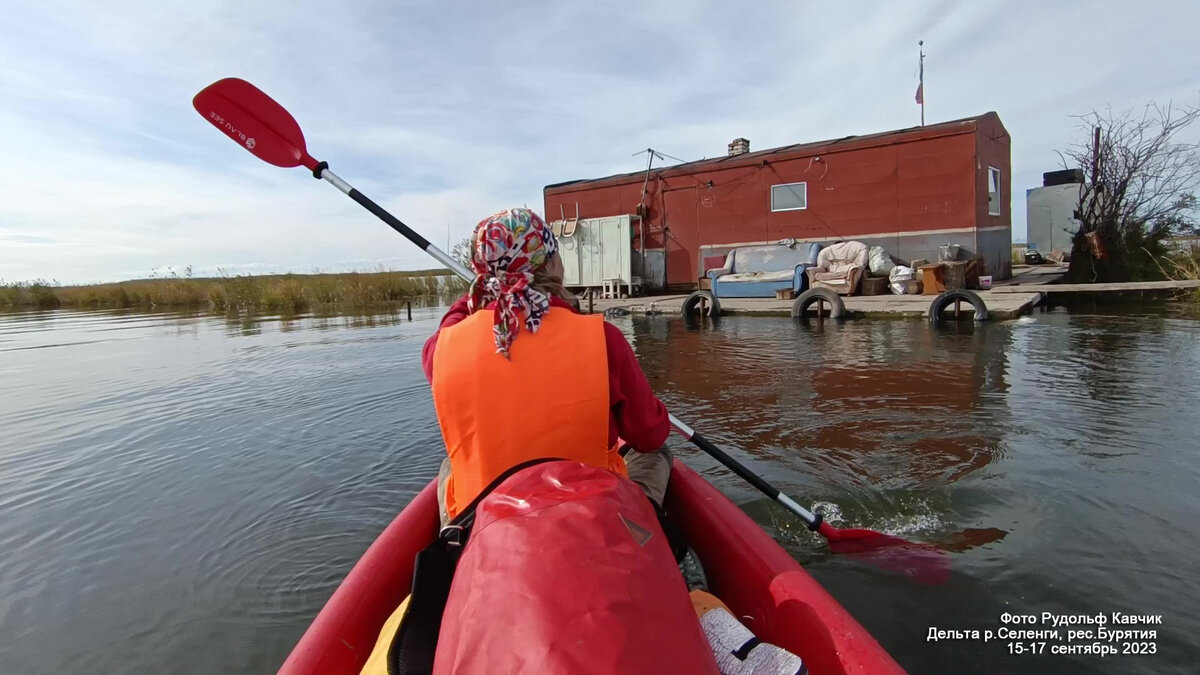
<point x="682" y="236"/>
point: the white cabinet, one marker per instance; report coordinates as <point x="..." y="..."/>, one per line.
<point x="594" y="250"/>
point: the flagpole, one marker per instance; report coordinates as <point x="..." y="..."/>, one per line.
<point x="921" y="87"/>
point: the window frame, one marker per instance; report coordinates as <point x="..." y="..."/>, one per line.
<point x="771" y="197"/>
<point x="999" y="191"/>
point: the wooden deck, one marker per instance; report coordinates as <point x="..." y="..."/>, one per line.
<point x="1000" y="306"/>
<point x="1033" y="275"/>
<point x="1007" y="299"/>
<point x="1136" y="286"/>
<point x="1023" y="292"/>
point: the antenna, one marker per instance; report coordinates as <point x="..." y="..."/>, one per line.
<point x="655" y="154"/>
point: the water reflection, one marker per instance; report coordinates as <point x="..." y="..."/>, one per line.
<point x="243" y="324"/>
<point x="862" y="403"/>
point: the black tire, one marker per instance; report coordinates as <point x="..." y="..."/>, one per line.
<point x="691" y="305"/>
<point x="941" y="302"/>
<point x="837" y="308"/>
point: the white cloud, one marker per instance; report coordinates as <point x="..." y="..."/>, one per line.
<point x="445" y="112"/>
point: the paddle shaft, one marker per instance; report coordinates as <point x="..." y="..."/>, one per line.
<point x="749" y="476"/>
<point x="322" y="171"/>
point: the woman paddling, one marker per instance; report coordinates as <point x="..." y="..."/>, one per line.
<point x="518" y="374"/>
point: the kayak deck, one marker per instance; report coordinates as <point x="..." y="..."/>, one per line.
<point x="766" y="588"/>
<point x="762" y="584"/>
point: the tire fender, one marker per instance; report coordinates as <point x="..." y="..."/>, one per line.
<point x="691" y="305"/>
<point x="837" y="308"/>
<point x="941" y="302"/>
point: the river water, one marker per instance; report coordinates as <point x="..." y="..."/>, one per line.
<point x="181" y="493"/>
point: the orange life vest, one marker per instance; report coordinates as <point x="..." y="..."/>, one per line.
<point x="549" y="399"/>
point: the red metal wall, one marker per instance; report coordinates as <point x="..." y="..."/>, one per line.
<point x="907" y="183"/>
<point x="992" y="149"/>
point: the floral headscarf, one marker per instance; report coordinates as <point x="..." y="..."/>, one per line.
<point x="508" y="247"/>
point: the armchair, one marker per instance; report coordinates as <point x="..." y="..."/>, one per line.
<point x="839" y="267"/>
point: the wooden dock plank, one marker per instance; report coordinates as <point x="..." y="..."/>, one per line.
<point x="1007" y="306"/>
<point x="1033" y="276"/>
<point x="1102" y="288"/>
<point x="1007" y="300"/>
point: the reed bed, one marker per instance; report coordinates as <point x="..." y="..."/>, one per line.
<point x="286" y="293"/>
<point x="1183" y="265"/>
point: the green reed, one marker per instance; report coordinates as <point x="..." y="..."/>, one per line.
<point x="1184" y="265"/>
<point x="286" y="293"/>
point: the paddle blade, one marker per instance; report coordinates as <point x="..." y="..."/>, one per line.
<point x="920" y="562"/>
<point x="254" y="121"/>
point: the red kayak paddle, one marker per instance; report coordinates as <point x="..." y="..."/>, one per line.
<point x="921" y="562"/>
<point x="259" y="124"/>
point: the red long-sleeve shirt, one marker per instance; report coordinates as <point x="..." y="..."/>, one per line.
<point x="636" y="415"/>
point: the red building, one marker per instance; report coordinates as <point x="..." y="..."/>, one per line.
<point x="910" y="191"/>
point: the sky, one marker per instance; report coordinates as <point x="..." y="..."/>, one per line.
<point x="445" y="112"/>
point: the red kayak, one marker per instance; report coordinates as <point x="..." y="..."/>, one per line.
<point x="764" y="586"/>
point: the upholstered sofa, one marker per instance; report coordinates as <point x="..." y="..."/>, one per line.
<point x="839" y="267"/>
<point x="760" y="271"/>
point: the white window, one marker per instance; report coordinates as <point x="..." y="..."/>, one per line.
<point x="789" y="197"/>
<point x="993" y="191"/>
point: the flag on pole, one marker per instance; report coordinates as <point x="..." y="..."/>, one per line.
<point x="921" y="86"/>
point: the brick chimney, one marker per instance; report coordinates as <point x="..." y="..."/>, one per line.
<point x="739" y="146"/>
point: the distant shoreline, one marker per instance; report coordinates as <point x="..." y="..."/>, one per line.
<point x="282" y="292"/>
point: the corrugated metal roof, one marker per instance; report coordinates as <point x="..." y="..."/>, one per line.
<point x="961" y="125"/>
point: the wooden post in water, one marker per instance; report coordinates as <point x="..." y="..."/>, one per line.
<point x="703" y="308"/>
<point x="591" y="300"/>
<point x="408" y="306"/>
<point x="957" y="305"/>
<point x="820" y="312"/>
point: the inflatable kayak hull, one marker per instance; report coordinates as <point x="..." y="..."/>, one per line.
<point x="746" y="568"/>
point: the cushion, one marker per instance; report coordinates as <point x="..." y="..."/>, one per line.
<point x="714" y="262"/>
<point x="832" y="278"/>
<point x="783" y="275"/>
<point x="844" y="256"/>
<point x="772" y="258"/>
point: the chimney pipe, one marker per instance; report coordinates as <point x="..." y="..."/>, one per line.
<point x="739" y="146"/>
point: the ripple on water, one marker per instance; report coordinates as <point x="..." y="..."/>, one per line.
<point x="172" y="483"/>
